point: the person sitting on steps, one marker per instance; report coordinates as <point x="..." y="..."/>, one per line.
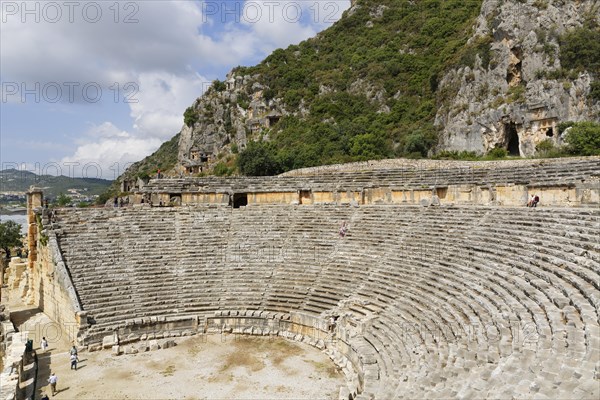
<point x="343" y="229"/>
<point x="535" y="199"/>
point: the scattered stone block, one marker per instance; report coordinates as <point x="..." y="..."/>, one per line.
<point x="108" y="341"/>
<point x="95" y="347"/>
<point x="153" y="345"/>
<point x="142" y="347"/>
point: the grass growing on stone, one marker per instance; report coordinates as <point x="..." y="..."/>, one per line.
<point x="325" y="369"/>
<point x="242" y="358"/>
<point x="168" y="371"/>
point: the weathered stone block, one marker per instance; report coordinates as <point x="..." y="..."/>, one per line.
<point x="153" y="345"/>
<point x="108" y="341"/>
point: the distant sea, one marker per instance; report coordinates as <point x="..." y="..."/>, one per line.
<point x="18" y="218"/>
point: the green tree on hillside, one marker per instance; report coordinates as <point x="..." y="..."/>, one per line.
<point x="580" y="48"/>
<point x="63" y="200"/>
<point x="190" y="116"/>
<point x="10" y="236"/>
<point x="259" y="159"/>
<point x="580" y="51"/>
<point x="583" y="139"/>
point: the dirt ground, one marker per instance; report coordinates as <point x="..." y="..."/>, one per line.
<point x="199" y="367"/>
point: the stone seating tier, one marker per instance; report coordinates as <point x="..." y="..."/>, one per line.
<point x="561" y="172"/>
<point x="453" y="301"/>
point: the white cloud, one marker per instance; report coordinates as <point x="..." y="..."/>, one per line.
<point x="161" y="101"/>
<point x="284" y="22"/>
<point x="107" y="151"/>
<point x="164" y="38"/>
<point x="157" y="111"/>
<point x="166" y="54"/>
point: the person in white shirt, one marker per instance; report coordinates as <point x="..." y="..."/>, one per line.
<point x="74" y="361"/>
<point x="52" y="381"/>
<point x="44" y="344"/>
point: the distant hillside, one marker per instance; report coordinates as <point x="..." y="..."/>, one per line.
<point x="12" y="180"/>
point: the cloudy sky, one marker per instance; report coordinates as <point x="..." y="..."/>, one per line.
<point x="90" y="86"/>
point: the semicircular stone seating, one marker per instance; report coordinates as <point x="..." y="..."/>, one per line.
<point x="470" y="302"/>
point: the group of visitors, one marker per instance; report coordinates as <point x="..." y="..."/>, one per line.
<point x="53" y="379"/>
<point x="120" y="202"/>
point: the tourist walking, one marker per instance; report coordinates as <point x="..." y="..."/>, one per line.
<point x="52" y="381"/>
<point x="44" y="344"/>
<point x="74" y="361"/>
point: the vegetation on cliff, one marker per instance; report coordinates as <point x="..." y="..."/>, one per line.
<point x="366" y="86"/>
<point x="583" y="138"/>
<point x="162" y="159"/>
<point x="580" y="51"/>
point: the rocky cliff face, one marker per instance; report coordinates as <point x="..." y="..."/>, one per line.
<point x="228" y="115"/>
<point x="515" y="93"/>
<point x="391" y="72"/>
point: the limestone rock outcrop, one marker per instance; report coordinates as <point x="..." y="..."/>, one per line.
<point x="508" y="88"/>
<point x="228" y="113"/>
<point x="515" y="96"/>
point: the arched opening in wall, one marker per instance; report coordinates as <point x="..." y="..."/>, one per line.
<point x="512" y="139"/>
<point x="240" y="200"/>
<point x="550" y="132"/>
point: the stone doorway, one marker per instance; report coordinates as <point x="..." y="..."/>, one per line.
<point x="512" y="139"/>
<point x="240" y="200"/>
